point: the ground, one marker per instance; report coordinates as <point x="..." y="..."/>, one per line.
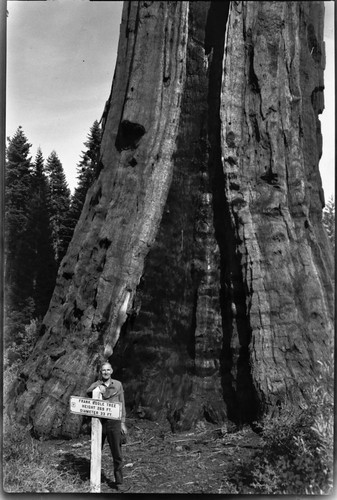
<point x="159" y="461"/>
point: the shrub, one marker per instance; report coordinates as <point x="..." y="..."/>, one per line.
<point x="20" y="349"/>
<point x="297" y="455"/>
<point x="14" y="357"/>
<point x="16" y="318"/>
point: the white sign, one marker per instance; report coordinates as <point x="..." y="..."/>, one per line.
<point x="95" y="408"/>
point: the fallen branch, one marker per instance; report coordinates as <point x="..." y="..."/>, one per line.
<point x="181" y="440"/>
<point x="131" y="444"/>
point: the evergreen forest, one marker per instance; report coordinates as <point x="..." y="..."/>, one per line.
<point x="40" y="218"/>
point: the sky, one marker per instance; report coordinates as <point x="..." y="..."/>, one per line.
<point x="60" y="63"/>
<point x="61" y="58"/>
<point x="327" y="118"/>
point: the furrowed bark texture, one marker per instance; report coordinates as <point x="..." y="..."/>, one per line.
<point x="200" y="254"/>
<point x="104" y="262"/>
<point x="272" y="93"/>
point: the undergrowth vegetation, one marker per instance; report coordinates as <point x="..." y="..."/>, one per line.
<point x="18" y="351"/>
<point x="297" y="455"/>
<point x="27" y="466"/>
<point x="26" y="461"/>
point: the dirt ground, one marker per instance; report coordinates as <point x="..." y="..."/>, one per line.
<point x="159" y="461"/>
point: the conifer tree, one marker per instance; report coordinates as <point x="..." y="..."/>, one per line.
<point x="59" y="204"/>
<point x="44" y="263"/>
<point x="19" y="254"/>
<point x="86" y="170"/>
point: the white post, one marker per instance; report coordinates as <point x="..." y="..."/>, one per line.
<point x="96" y="449"/>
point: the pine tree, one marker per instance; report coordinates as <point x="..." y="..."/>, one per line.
<point x="44" y="265"/>
<point x="18" y="251"/>
<point x="59" y="204"/>
<point x="329" y="220"/>
<point x="86" y="170"/>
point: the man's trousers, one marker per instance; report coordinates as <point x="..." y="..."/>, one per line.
<point x="111" y="429"/>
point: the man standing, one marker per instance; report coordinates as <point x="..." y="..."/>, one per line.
<point x="112" y="390"/>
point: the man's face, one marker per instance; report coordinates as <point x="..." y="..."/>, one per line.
<point x="106" y="372"/>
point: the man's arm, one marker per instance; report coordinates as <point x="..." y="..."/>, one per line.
<point x="93" y="386"/>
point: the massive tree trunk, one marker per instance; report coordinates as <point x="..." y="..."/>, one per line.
<point x="200" y="254"/>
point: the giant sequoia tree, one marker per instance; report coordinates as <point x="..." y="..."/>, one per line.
<point x="200" y="253"/>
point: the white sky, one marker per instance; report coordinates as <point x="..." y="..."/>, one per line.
<point x="60" y="62"/>
<point x="327" y="162"/>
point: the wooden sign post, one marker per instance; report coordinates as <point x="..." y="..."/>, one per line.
<point x="97" y="409"/>
<point x="96" y="449"/>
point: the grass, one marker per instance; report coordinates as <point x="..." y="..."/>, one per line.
<point x="27" y="466"/>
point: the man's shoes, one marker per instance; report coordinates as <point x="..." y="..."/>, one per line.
<point x="122" y="488"/>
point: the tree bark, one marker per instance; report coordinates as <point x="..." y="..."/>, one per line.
<point x="271" y="142"/>
<point x="200" y="253"/>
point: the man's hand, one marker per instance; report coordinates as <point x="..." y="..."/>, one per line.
<point x="102" y="388"/>
<point x="124" y="428"/>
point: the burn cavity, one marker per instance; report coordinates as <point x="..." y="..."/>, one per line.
<point x="128" y="136"/>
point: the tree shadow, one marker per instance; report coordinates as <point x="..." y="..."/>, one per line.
<point x="80" y="466"/>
